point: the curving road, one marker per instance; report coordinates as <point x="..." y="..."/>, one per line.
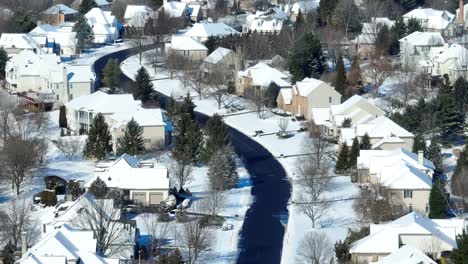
<point x="261" y="239"/>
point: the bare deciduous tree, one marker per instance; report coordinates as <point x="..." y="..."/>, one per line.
<point x="213" y="202"/>
<point x="315" y="248"/>
<point x="157" y="148"/>
<point x="7" y="108"/>
<point x="70" y="146"/>
<point x="258" y="100"/>
<point x="218" y="83"/>
<point x="195" y="238"/>
<point x="181" y="172"/>
<point x="317" y="146"/>
<point x="157" y="231"/>
<point x="283" y="125"/>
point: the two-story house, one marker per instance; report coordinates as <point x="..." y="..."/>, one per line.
<point x="104" y="25"/>
<point x="260" y="76"/>
<point x="432" y="20"/>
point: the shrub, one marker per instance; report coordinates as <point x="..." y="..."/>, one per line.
<point x="48" y="198"/>
<point x="74" y="189"/>
<point x="181" y="216"/>
<point x="209" y="220"/>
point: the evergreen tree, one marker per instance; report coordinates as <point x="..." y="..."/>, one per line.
<point x="347" y="122"/>
<point x="222" y="170"/>
<point x="306" y="59"/>
<point x="84" y="33"/>
<point x="98" y="188"/>
<point x="217" y="136"/>
<point x="22" y="21"/>
<point x="340" y="80"/>
<point x="383" y="40"/>
<point x="460" y="90"/>
<point x="419" y="143"/>
<point x="111" y="74"/>
<point x="342" y="162"/>
<point x="62" y="117"/>
<point x="299" y="23"/>
<point x="460" y="254"/>
<point x="411" y="4"/>
<point x="132" y="141"/>
<point x="86" y="5"/>
<point x="433" y="154"/>
<point x="354" y="154"/>
<point x="449" y="116"/>
<point x="212" y="43"/>
<point x="172" y="107"/>
<point x="355" y="79"/>
<point x="397" y="32"/>
<point x="98" y="145"/>
<point x="187" y="106"/>
<point x="365" y="144"/>
<point x="188" y="139"/>
<point x="271" y="94"/>
<point x="326" y="10"/>
<point x="413" y="25"/>
<point x="437" y="201"/>
<point x="8" y="256"/>
<point x="143" y="89"/>
<point x="3" y="61"/>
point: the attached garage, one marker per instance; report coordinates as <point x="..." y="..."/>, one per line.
<point x="155" y="198"/>
<point x="139" y="197"/>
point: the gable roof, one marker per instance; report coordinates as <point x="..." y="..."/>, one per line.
<point x="286" y="94"/>
<point x="418" y="38"/>
<point x="144" y="117"/>
<point x="133" y="10"/>
<point x="100" y="102"/>
<point x="217" y="55"/>
<point x="80" y="74"/>
<point x="205" y="30"/>
<point x="436" y="19"/>
<point x="381" y="127"/>
<point x="408" y="255"/>
<point x="304" y="6"/>
<point x="60" y="8"/>
<point x="97" y="16"/>
<point x="181" y="42"/>
<point x="19" y="41"/>
<point x="357" y="101"/>
<point x="309" y="85"/>
<point x="263" y="75"/>
<point x="174" y="8"/>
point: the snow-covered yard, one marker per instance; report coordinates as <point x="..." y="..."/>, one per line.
<point x="340" y="216"/>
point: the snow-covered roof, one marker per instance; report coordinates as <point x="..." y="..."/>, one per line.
<point x="60" y="8"/>
<point x="385" y="238"/>
<point x="450" y="51"/>
<point x="418" y="38"/>
<point x="144" y="117"/>
<point x="174" y="8"/>
<point x="97" y="16"/>
<point x="434" y="19"/>
<point x="286" y="94"/>
<point x="408" y="255"/>
<point x="308" y="85"/>
<point x="355" y="101"/>
<point x="129" y="174"/>
<point x="375" y="24"/>
<point x="263" y="75"/>
<point x="65" y="39"/>
<point x="194" y="10"/>
<point x="137" y="15"/>
<point x="65" y="243"/>
<point x="101" y="3"/>
<point x="28" y="63"/>
<point x="19" y="41"/>
<point x="382" y="127"/>
<point x="217" y="55"/>
<point x="80" y="74"/>
<point x="304" y="6"/>
<point x="181" y="42"/>
<point x="100" y="102"/>
<point x="205" y="30"/>
<point x="321" y="116"/>
<point x="42" y="30"/>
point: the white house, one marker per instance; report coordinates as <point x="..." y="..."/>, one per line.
<point x="432" y="20"/>
<point x="420" y="43"/>
<point x="406" y="254"/>
<point x="59" y="40"/>
<point x="174" y="9"/>
<point x="145" y="183"/>
<point x="104" y="25"/>
<point x="137" y="15"/>
<point x="364" y="42"/>
<point x="187" y="47"/>
<point x="203" y="30"/>
<point x="408" y="176"/>
<point x="270" y="21"/>
<point x="431" y="236"/>
<point x="451" y="59"/>
<point x="64" y="246"/>
<point x="260" y="76"/>
<point x="303" y="7"/>
<point x="81" y="81"/>
<point x="14" y="43"/>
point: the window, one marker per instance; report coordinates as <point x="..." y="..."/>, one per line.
<point x="410" y="208"/>
<point x="147" y="140"/>
<point x="329" y="99"/>
<point x="427" y="208"/>
<point x="408" y="194"/>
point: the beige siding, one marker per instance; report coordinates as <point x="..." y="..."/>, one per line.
<point x="196" y="55"/>
<point x="163" y="193"/>
<point x="363" y="258"/>
<point x="281" y="105"/>
<point x="151" y="134"/>
<point x="419" y="201"/>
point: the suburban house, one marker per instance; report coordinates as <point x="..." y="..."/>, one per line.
<point x="174" y="9"/>
<point x="451" y="59"/>
<point x="406" y="254"/>
<point x="59" y="40"/>
<point x="384" y="134"/>
<point x="64" y="246"/>
<point x="420" y="43"/>
<point x="14" y="43"/>
<point x="137" y="15"/>
<point x="305" y="95"/>
<point x="145" y="183"/>
<point x="58" y="14"/>
<point x="221" y="59"/>
<point x="104" y="25"/>
<point x="203" y="30"/>
<point x="432" y="20"/>
<point x="364" y="42"/>
<point x="260" y="76"/>
<point x="408" y="176"/>
<point x="270" y="21"/>
<point x="356" y="108"/>
<point x="187" y="47"/>
<point x="435" y="237"/>
<point x="194" y="12"/>
<point x="117" y="110"/>
<point x="81" y="81"/>
<point x="102" y="4"/>
<point x="303" y="7"/>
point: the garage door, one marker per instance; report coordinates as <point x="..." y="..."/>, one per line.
<point x="155" y="197"/>
<point x="139" y="197"/>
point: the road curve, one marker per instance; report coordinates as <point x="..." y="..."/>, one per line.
<point x="261" y="238"/>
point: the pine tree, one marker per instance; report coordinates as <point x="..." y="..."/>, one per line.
<point x="23" y="21"/>
<point x="365" y="144"/>
<point x="217" y="136"/>
<point x="271" y="94"/>
<point x="172" y="107"/>
<point x="187" y="106"/>
<point x="449" y="116"/>
<point x="433" y="154"/>
<point x="111" y="74"/>
<point x="306" y="59"/>
<point x="460" y="254"/>
<point x="212" y="43"/>
<point x="143" y="89"/>
<point x="354" y="154"/>
<point x="98" y="188"/>
<point x="413" y="25"/>
<point x="98" y="145"/>
<point x="437" y="201"/>
<point x="222" y="170"/>
<point x="326" y="9"/>
<point x="8" y="256"/>
<point x="382" y="40"/>
<point x="3" y="61"/>
<point x="188" y="139"/>
<point x="340" y="80"/>
<point x="347" y="122"/>
<point x="355" y="79"/>
<point x="86" y="5"/>
<point x="419" y="144"/>
<point x="460" y="90"/>
<point x="62" y="117"/>
<point x="299" y="23"/>
<point x="84" y="33"/>
<point x="342" y="162"/>
<point x="132" y="141"/>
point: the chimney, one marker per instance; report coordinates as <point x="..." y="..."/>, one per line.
<point x="461" y="13"/>
<point x="24" y="244"/>
<point x="421" y="157"/>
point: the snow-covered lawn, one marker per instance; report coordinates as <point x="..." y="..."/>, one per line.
<point x="340" y="216"/>
<point x="91" y="55"/>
